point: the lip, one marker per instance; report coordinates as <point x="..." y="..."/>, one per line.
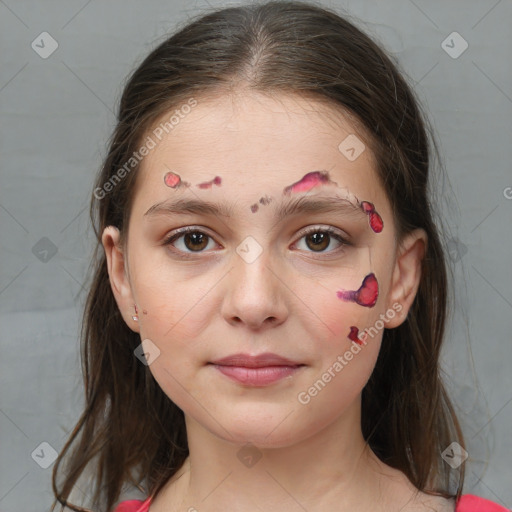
<point x="259" y="361"/>
<point x="260" y="370"/>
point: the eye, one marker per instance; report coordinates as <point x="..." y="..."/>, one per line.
<point x="318" y="239"/>
<point x="194" y="240"/>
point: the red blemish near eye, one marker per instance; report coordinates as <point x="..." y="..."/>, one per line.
<point x="366" y="295"/>
<point x="308" y="181"/>
<point x="208" y="184"/>
<point x="172" y="179"/>
<point x="376" y="222"/>
<point x="354" y="335"/>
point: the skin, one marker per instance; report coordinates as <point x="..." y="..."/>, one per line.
<point x="313" y="457"/>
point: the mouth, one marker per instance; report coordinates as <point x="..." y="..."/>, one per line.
<point x="260" y="370"/>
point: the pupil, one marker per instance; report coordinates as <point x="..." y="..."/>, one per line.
<point x="194" y="238"/>
<point x="318" y="238"/>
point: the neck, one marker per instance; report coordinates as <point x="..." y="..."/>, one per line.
<point x="334" y="469"/>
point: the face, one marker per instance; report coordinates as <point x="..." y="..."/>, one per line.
<point x="290" y="250"/>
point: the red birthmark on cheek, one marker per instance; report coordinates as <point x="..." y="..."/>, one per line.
<point x="375" y="220"/>
<point x="208" y="184"/>
<point x="366" y="295"/>
<point x="354" y="335"/>
<point x="308" y="181"/>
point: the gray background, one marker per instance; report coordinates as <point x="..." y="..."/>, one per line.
<point x="56" y="116"/>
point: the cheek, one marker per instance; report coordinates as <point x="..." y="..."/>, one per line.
<point x="350" y="328"/>
<point x="176" y="316"/>
<point x="338" y="317"/>
<point x="348" y="309"/>
<point x="336" y="387"/>
<point x="175" y="308"/>
<point x="178" y="313"/>
<point x="344" y="364"/>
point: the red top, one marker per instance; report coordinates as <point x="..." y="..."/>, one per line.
<point x="467" y="503"/>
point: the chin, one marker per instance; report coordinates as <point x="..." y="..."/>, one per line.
<point x="279" y="430"/>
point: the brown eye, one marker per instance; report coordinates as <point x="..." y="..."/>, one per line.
<point x="318" y="241"/>
<point x="195" y="241"/>
<point x="191" y="240"/>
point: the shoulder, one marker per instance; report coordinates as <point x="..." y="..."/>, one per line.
<point x="471" y="503"/>
<point x="133" y="506"/>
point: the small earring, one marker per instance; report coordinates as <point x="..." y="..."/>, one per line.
<point x="135" y="317"/>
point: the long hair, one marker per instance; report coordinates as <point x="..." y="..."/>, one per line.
<point x="130" y="432"/>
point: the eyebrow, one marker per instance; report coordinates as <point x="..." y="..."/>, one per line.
<point x="293" y="206"/>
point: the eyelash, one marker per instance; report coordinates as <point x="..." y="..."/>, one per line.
<point x="168" y="241"/>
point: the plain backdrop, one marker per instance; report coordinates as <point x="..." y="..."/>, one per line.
<point x="57" y="113"/>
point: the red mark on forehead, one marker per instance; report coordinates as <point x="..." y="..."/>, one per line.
<point x="172" y="180"/>
<point x="308" y="181"/>
<point x="263" y="200"/>
<point x="354" y="335"/>
<point x="375" y="220"/>
<point x="318" y="178"/>
<point x="366" y="295"/>
<point x="208" y="184"/>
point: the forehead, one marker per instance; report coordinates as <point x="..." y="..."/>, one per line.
<point x="256" y="144"/>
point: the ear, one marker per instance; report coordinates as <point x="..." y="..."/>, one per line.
<point x="118" y="275"/>
<point x="406" y="275"/>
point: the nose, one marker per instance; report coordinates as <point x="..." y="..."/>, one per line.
<point x="255" y="294"/>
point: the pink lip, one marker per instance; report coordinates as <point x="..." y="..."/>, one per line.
<point x="258" y="370"/>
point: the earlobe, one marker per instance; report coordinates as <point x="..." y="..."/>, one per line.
<point x="407" y="274"/>
<point x="118" y="275"/>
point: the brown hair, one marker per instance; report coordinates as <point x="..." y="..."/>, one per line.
<point x="129" y="425"/>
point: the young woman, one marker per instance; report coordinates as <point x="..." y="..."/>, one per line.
<point x="265" y="321"/>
